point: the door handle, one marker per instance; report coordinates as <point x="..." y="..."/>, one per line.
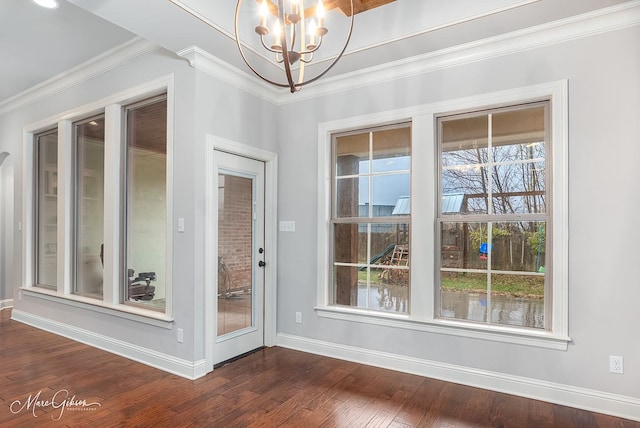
<point x="261" y="263"/>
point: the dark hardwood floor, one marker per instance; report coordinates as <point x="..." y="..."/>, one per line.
<point x="273" y="387"/>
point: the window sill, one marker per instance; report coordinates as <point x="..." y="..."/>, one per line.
<point x="132" y="313"/>
<point x="505" y="334"/>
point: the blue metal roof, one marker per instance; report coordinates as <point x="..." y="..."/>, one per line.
<point x="452" y="203"/>
<point x="403" y="206"/>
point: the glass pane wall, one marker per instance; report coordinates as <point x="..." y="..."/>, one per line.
<point x="146" y="202"/>
<point x="46" y="218"/>
<point x="89" y="206"/>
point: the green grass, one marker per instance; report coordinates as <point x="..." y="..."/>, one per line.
<point x="511" y="285"/>
<point x="508" y="285"/>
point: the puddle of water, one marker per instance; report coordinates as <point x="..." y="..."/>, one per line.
<point x="505" y="310"/>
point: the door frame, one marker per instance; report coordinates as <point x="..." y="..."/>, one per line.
<point x="270" y="160"/>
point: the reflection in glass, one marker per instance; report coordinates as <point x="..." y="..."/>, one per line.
<point x="517" y="300"/>
<point x="235" y="243"/>
<point x="146" y="202"/>
<point x="463" y="295"/>
<point x="89" y="227"/>
<point x="46" y="214"/>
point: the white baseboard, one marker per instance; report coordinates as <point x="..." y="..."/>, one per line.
<point x="168" y="363"/>
<point x="6" y="304"/>
<point x="566" y="395"/>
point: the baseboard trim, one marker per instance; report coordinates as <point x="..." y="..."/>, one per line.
<point x="167" y="363"/>
<point x="4" y="304"/>
<point x="566" y="395"/>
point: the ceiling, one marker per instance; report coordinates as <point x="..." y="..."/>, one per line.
<point x="38" y="44"/>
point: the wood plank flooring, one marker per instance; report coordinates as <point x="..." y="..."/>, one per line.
<point x="273" y="387"/>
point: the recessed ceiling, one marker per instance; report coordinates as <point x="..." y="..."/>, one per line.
<point x="38" y="43"/>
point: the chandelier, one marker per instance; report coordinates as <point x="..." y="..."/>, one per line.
<point x="296" y="34"/>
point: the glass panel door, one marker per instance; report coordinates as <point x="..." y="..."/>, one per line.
<point x="240" y="256"/>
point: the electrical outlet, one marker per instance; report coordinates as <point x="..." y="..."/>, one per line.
<point x="180" y="335"/>
<point x="616" y="364"/>
<point x="299" y="317"/>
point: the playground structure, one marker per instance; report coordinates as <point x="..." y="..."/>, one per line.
<point x="392" y="255"/>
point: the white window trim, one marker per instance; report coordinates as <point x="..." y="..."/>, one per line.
<point x="110" y="303"/>
<point x="423" y="152"/>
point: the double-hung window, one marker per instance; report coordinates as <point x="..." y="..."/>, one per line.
<point x="371" y="218"/>
<point x="493" y="217"/>
<point x="97" y="223"/>
<point x="450" y="217"/>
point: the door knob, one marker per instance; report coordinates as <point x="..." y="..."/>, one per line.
<point x="261" y="263"/>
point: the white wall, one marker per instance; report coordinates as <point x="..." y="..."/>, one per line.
<point x="604" y="106"/>
<point x="6" y="227"/>
<point x="202" y="105"/>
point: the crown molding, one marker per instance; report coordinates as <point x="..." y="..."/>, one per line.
<point x="204" y="61"/>
<point x="596" y="22"/>
<point x="580" y="26"/>
<point x="97" y="65"/>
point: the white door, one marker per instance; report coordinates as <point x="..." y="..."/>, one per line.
<point x="239" y="314"/>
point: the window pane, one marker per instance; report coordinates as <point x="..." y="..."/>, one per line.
<point x="517" y="131"/>
<point x="464" y="190"/>
<point x="464" y="245"/>
<point x="465" y="141"/>
<point x="89" y="175"/>
<point x="235" y="258"/>
<point x="346" y="280"/>
<point x="146" y="212"/>
<point x="385" y="238"/>
<point x="352" y="199"/>
<point x="519" y="188"/>
<point x="388" y="192"/>
<point x="517" y="300"/>
<point x="519" y="246"/>
<point x="350" y="243"/>
<point x="463" y="296"/>
<point x="519" y="151"/>
<point x="352" y="154"/>
<point x="47" y="205"/>
<point x="391" y="150"/>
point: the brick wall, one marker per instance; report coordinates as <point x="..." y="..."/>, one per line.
<point x="235" y="230"/>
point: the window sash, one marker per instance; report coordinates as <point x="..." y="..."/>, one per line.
<point x="490" y="217"/>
